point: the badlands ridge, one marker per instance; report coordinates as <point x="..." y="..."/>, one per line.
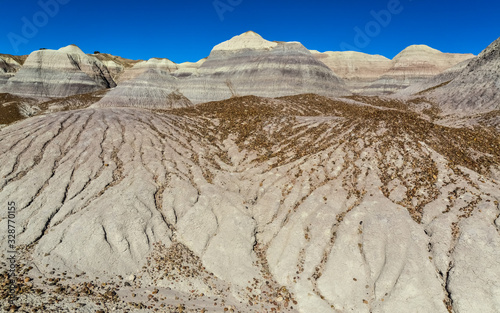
<point x="263" y="178"/>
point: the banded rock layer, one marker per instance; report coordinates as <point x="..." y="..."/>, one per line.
<point x="188" y="68"/>
<point x="143" y="66"/>
<point x="245" y="65"/>
<point x="376" y="75"/>
<point x="153" y="89"/>
<point x="357" y="69"/>
<point x="178" y="70"/>
<point x="250" y="65"/>
<point x="413" y="65"/>
<point x="433" y="82"/>
<point x="59" y="73"/>
<point x="476" y="87"/>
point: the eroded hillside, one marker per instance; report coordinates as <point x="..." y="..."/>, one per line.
<point x="301" y="204"/>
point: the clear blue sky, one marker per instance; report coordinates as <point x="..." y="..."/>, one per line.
<point x="186" y="30"/>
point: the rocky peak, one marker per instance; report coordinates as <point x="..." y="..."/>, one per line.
<point x="248" y="40"/>
<point x="72" y="49"/>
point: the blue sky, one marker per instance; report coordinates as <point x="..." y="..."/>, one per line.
<point x="186" y="30"/>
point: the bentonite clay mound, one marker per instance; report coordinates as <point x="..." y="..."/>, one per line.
<point x="476" y="87"/>
<point x="297" y="204"/>
<point x="58" y="73"/>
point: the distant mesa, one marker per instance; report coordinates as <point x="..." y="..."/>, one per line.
<point x="188" y="68"/>
<point x="116" y="65"/>
<point x="375" y="75"/>
<point x="357" y="69"/>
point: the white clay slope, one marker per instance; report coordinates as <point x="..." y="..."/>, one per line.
<point x="297" y="204"/>
<point x="343" y="208"/>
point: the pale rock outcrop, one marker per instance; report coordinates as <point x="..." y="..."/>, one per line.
<point x="153" y="89"/>
<point x="188" y="68"/>
<point x="59" y="73"/>
<point x="248" y="40"/>
<point x="477" y="87"/>
<point x="383" y="269"/>
<point x="477" y="260"/>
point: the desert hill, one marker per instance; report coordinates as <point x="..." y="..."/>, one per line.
<point x="250" y="181"/>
